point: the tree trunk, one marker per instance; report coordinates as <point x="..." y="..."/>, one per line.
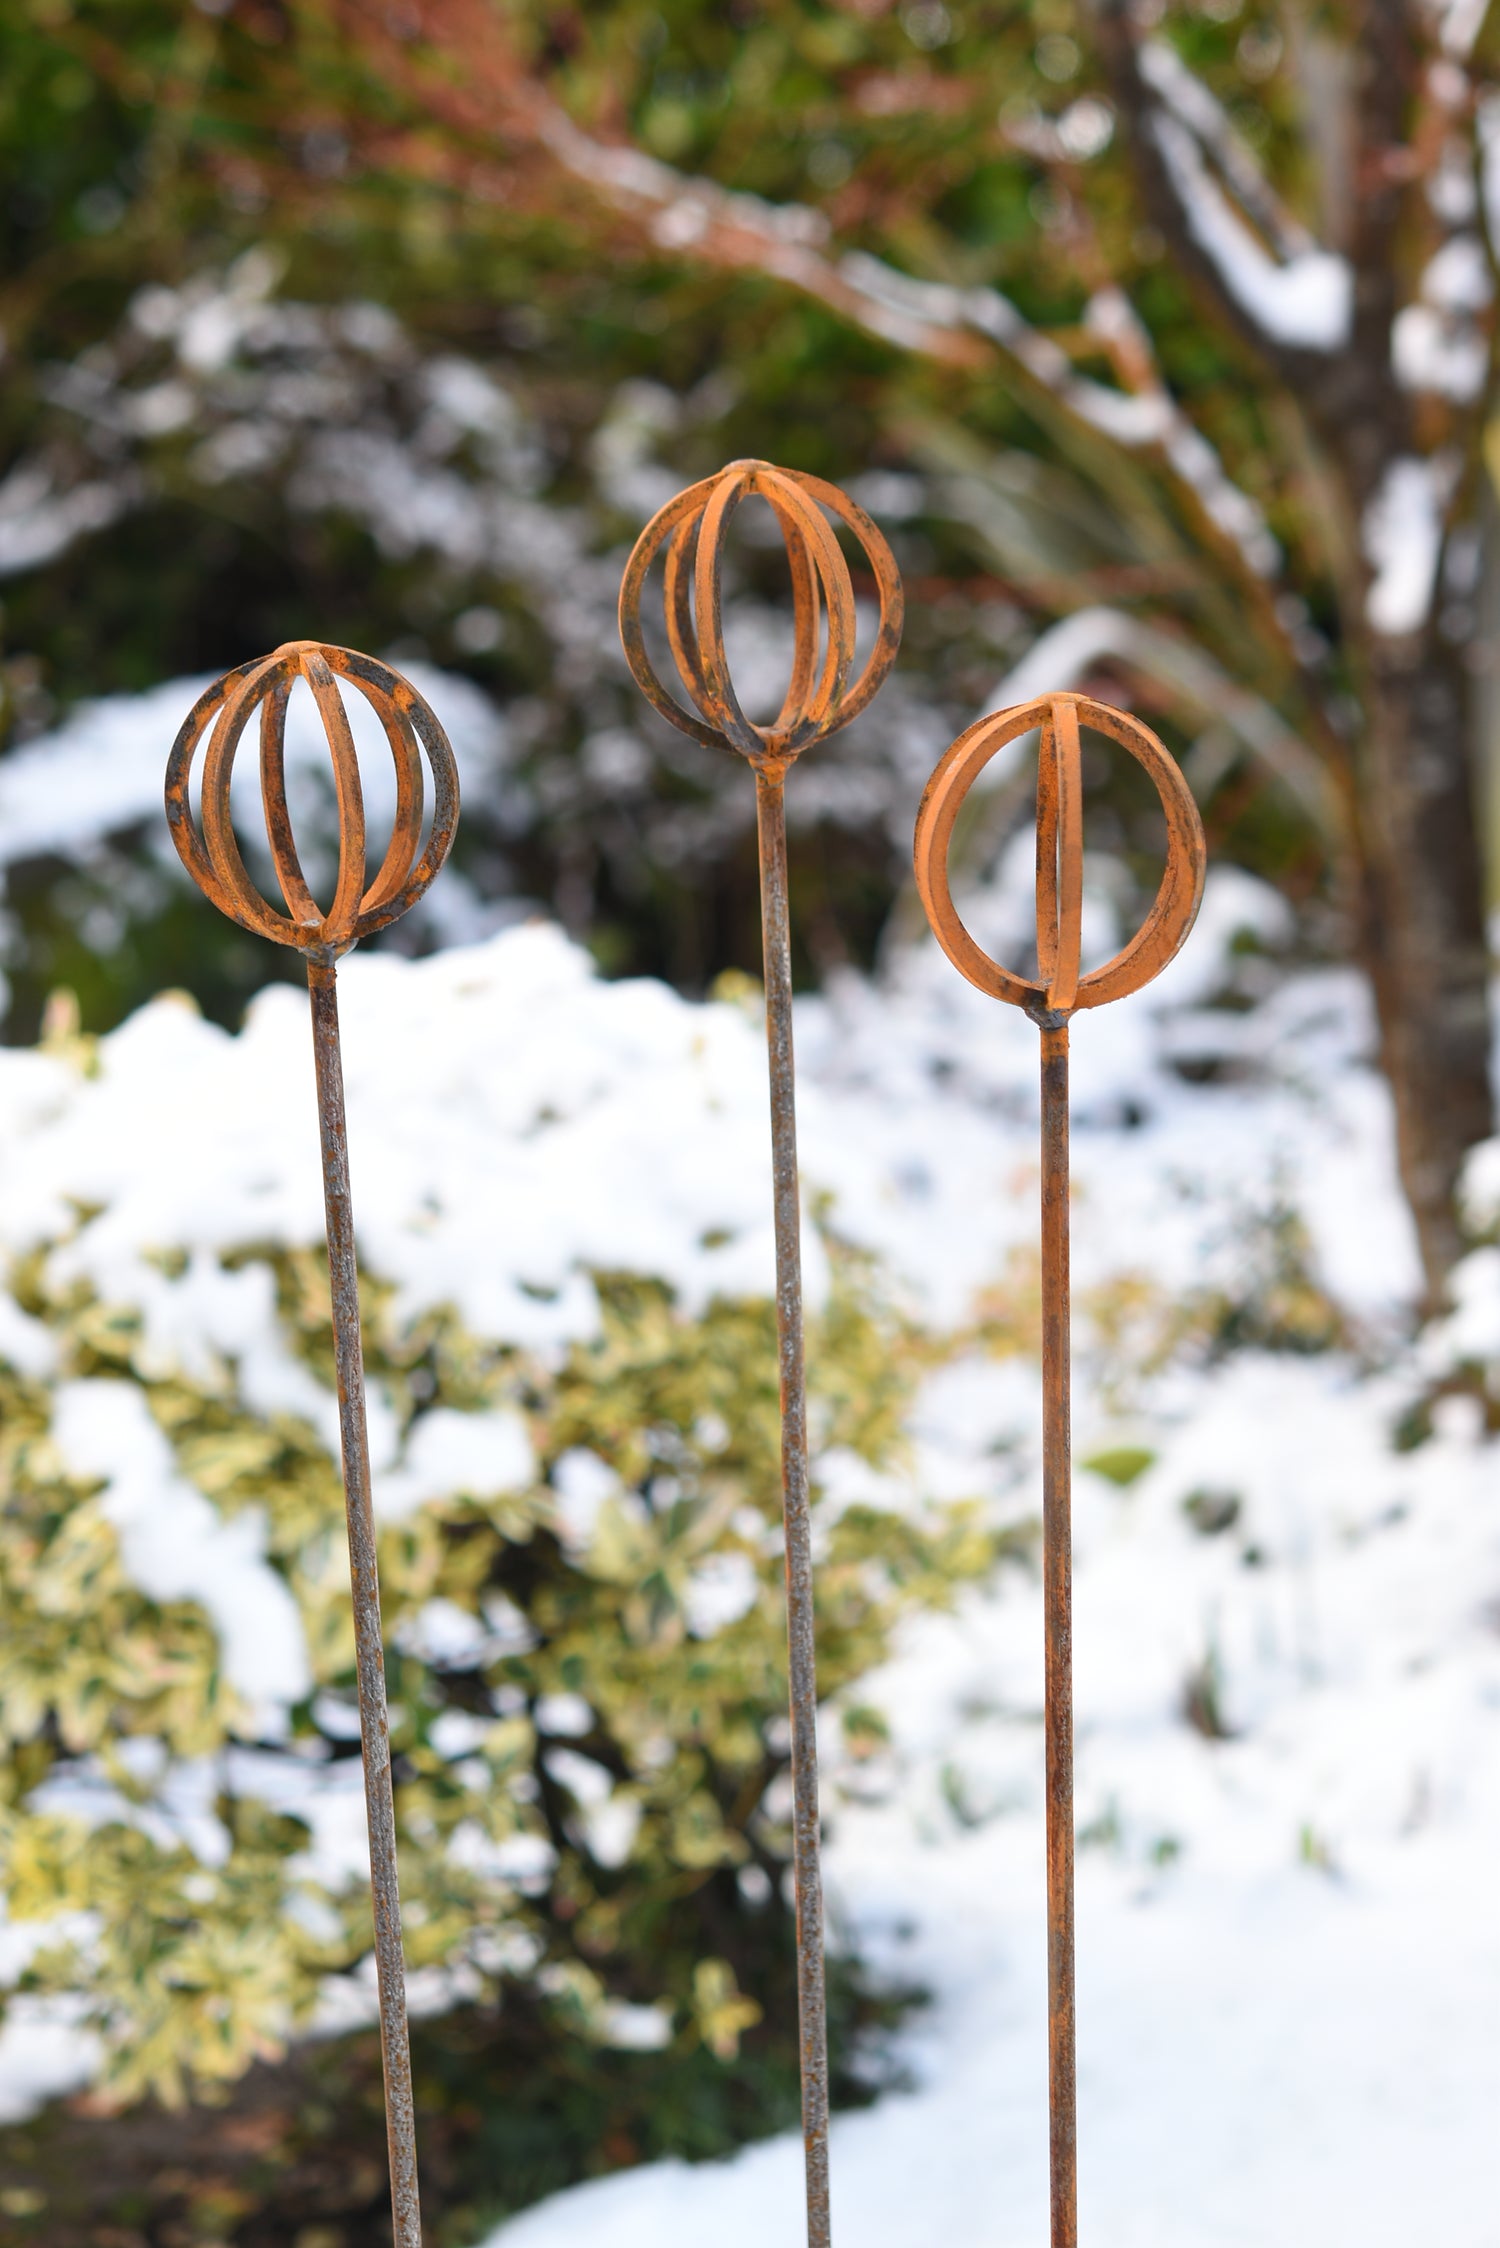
<point x="1422" y="934"/>
<point x="1415" y="809"/>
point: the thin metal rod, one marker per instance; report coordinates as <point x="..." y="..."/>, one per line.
<point x="1049" y="1002"/>
<point x="1057" y="1599"/>
<point x="812" y="2008"/>
<point x="374" y="1727"/>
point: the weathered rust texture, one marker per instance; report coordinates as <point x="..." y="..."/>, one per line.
<point x="212" y="857"/>
<point x="1059" y="993"/>
<point x="1057" y="1605"/>
<point x="820" y="698"/>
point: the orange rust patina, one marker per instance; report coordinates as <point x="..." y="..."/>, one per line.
<point x="212" y="857"/>
<point x="1059" y="992"/>
<point x="823" y="694"/>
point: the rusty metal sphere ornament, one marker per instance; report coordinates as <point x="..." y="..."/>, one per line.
<point x="213" y="857"/>
<point x="1061" y="990"/>
<point x="820" y="697"/>
<point x="823" y="694"/>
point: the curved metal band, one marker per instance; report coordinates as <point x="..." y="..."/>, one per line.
<point x="213" y="857"/>
<point x="1059" y="827"/>
<point x="819" y="697"/>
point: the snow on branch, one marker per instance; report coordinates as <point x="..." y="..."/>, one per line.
<point x="1437" y="343"/>
<point x="1487" y="128"/>
<point x="1113" y="318"/>
<point x="1194" y="107"/>
<point x="1305" y="301"/>
<point x="927" y="316"/>
<point x="1144" y="417"/>
<point x="1403" y="541"/>
<point x="1459" y="25"/>
<point x="496" y="99"/>
<point x="39" y="521"/>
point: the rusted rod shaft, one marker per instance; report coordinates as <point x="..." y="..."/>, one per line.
<point x="806" y="1851"/>
<point x="209" y="849"/>
<point x="823" y="693"/>
<point x="1057" y="1598"/>
<point x="375" y="1740"/>
<point x="1060" y="990"/>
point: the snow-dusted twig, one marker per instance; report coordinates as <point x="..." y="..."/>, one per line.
<point x="1186" y="97"/>
<point x="495" y="98"/>
<point x="1304" y="301"/>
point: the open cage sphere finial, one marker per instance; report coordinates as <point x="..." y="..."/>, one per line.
<point x="1061" y="990"/>
<point x="212" y="854"/>
<point x="820" y="696"/>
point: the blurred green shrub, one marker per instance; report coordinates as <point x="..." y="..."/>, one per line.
<point x="587" y="1702"/>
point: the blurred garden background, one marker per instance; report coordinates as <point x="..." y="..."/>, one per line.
<point x="1159" y="340"/>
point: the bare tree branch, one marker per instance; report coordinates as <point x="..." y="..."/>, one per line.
<point x="493" y="97"/>
<point x="1171" y="120"/>
<point x="1190" y="101"/>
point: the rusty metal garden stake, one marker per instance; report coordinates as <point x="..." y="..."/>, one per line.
<point x="819" y="700"/>
<point x="213" y="859"/>
<point x="1059" y="993"/>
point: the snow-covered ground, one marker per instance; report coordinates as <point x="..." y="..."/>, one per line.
<point x="1289" y="1936"/>
<point x="1288" y="1943"/>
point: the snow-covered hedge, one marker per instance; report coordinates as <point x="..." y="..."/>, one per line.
<point x="560" y="1186"/>
<point x="1286" y="1672"/>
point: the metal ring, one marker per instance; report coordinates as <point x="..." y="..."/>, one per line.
<point x="1061" y="990"/>
<point x="819" y="697"/>
<point x="213" y="857"/>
